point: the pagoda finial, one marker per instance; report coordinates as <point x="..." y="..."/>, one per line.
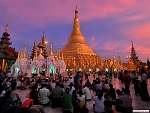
<point x="51" y="53"/>
<point x="132" y="43"/>
<point x="6" y="30"/>
<point x="76" y="26"/>
<point x="34" y="42"/>
<point x="24" y="52"/>
<point x="43" y="34"/>
<point x="76" y="8"/>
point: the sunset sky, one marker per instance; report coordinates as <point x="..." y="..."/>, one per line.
<point x="109" y="26"/>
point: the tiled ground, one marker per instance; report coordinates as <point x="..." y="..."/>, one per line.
<point x="137" y="102"/>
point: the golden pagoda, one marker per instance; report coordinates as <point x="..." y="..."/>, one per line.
<point x="77" y="54"/>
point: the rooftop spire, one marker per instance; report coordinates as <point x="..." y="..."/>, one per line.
<point x="6" y="30"/>
<point x="51" y="53"/>
<point x="43" y="34"/>
<point x="24" y="52"/>
<point x="34" y="43"/>
<point x="132" y="44"/>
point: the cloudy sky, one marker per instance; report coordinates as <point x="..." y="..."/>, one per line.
<point x="109" y="26"/>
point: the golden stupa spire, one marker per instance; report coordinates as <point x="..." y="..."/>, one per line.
<point x="24" y="52"/>
<point x="6" y="30"/>
<point x="76" y="26"/>
<point x="51" y="53"/>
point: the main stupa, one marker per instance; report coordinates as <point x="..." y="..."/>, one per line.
<point x="77" y="54"/>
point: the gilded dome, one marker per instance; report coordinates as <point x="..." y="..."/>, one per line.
<point x="76" y="38"/>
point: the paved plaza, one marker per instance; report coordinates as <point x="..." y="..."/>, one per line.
<point x="137" y="103"/>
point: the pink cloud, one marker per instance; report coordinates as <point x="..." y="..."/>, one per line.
<point x="141" y="31"/>
<point x="43" y="12"/>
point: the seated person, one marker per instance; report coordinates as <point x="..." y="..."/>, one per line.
<point x="81" y="99"/>
<point x="34" y="95"/>
<point x="28" y="105"/>
<point x="127" y="101"/>
<point x="105" y="86"/>
<point x="98" y="107"/>
<point x="8" y="103"/>
<point x="14" y="95"/>
<point x="44" y="94"/>
<point x="87" y="93"/>
<point x="67" y="101"/>
<point x="57" y="94"/>
<point x="112" y="92"/>
<point x="108" y="107"/>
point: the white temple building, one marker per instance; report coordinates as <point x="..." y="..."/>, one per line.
<point x="42" y="64"/>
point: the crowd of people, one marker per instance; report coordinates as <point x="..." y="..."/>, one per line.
<point x="71" y="93"/>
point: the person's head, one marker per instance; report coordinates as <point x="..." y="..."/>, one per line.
<point x="34" y="88"/>
<point x="7" y="94"/>
<point x="87" y="80"/>
<point x="119" y="92"/>
<point x="127" y="91"/>
<point x="13" y="87"/>
<point x="100" y="94"/>
<point x="53" y="81"/>
<point x="97" y="91"/>
<point x="125" y="72"/>
<point x="57" y="84"/>
<point x="110" y="85"/>
<point x="44" y="86"/>
<point x="142" y="70"/>
<point x="67" y="90"/>
<point x="74" y="92"/>
<point x="133" y="72"/>
<point x="80" y="93"/>
<point x="71" y="84"/>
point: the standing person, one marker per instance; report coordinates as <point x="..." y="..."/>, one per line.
<point x="44" y="95"/>
<point x="98" y="107"/>
<point x="71" y="88"/>
<point x="144" y="91"/>
<point x="127" y="80"/>
<point x="76" y="80"/>
<point x="136" y="83"/>
<point x="67" y="102"/>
